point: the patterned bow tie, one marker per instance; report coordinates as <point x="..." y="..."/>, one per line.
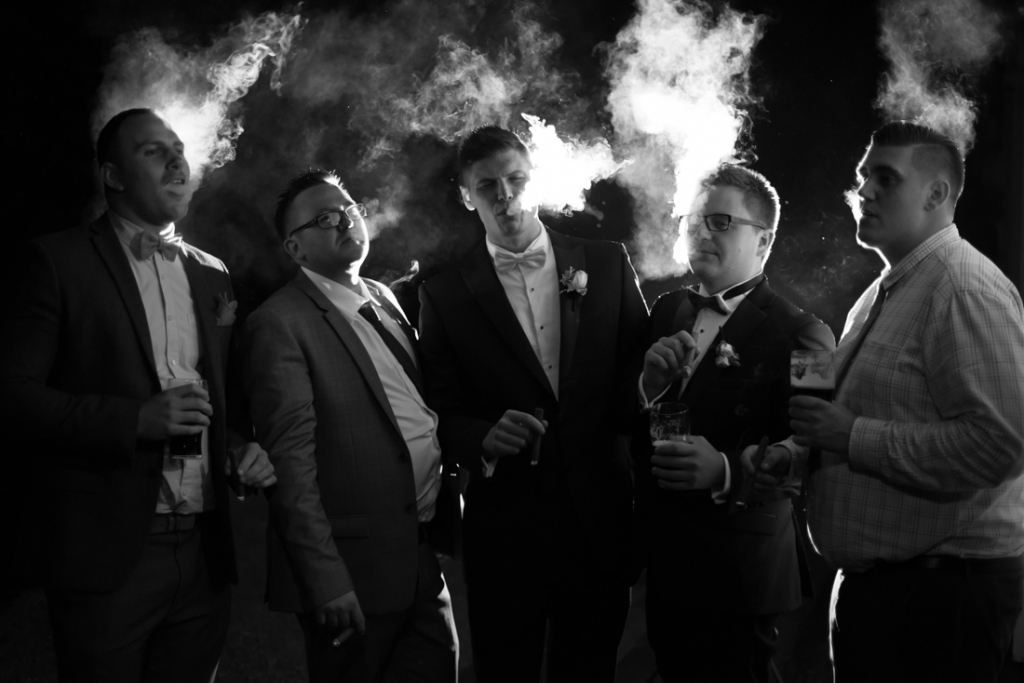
<point x="715" y="303"/>
<point x="505" y="261"/>
<point x="145" y="243"/>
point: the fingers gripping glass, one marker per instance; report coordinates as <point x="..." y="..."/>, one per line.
<point x="332" y="219"/>
<point x="717" y="222"/>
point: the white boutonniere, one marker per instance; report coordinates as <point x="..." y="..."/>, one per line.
<point x="726" y="356"/>
<point x="574" y="283"/>
<point x="225" y="310"/>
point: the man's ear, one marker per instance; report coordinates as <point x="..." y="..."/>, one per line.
<point x="293" y="249"/>
<point x="938" y="194"/>
<point x="111" y="177"/>
<point x="764" y="242"/>
<point x="465" y="198"/>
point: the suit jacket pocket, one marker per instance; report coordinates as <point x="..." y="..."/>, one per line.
<point x="753" y="522"/>
<point x="350" y="526"/>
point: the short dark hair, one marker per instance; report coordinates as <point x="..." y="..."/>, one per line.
<point x="309" y="178"/>
<point x="758" y="194"/>
<point x="107" y="140"/>
<point x="935" y="152"/>
<point x="484" y="143"/>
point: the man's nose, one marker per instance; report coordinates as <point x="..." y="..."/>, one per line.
<point x="863" y="190"/>
<point x="504" y="191"/>
<point x="177" y="161"/>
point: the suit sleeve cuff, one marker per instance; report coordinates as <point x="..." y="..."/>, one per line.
<point x="722" y="496"/>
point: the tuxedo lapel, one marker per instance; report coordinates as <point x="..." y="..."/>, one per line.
<point x="112" y="254"/>
<point x="566" y="257"/>
<point x="736" y="331"/>
<point x="203" y="301"/>
<point x="351" y="341"/>
<point x="484" y="285"/>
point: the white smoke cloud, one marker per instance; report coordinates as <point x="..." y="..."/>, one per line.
<point x="934" y="47"/>
<point x="679" y="77"/>
<point x="194" y="89"/>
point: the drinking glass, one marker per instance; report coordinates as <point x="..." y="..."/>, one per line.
<point x="670" y="419"/>
<point x="186" y="446"/>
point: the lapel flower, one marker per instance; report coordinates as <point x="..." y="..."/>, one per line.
<point x="225" y="310"/>
<point x="574" y="283"/>
<point x="726" y="356"/>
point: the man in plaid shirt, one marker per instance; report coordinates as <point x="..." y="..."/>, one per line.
<point x="917" y="492"/>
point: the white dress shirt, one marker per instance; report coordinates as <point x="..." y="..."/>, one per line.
<point x="187" y="487"/>
<point x="416" y="421"/>
<point x="533" y="294"/>
<point x="706" y="327"/>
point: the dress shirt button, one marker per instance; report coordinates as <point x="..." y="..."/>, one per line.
<point x="174" y="362"/>
<point x="410" y="508"/>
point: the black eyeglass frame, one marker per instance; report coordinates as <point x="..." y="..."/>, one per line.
<point x="359" y="209"/>
<point x="695" y="219"/>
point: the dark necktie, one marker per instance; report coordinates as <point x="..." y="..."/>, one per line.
<point x="145" y="243"/>
<point x="371" y="316"/>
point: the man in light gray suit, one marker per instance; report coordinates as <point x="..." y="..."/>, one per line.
<point x="335" y="395"/>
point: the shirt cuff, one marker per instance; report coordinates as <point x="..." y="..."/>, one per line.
<point x="867" y="449"/>
<point x="721" y="497"/>
<point x="488" y="466"/>
<point x="644" y="403"/>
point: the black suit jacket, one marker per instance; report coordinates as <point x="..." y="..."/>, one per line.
<point x="478" y="363"/>
<point x="75" y="367"/>
<point x="746" y="561"/>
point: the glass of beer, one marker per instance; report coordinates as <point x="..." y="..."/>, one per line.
<point x="812" y="373"/>
<point x="186" y="446"/>
<point x="670" y="419"/>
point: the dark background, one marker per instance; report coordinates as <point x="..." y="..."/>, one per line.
<point x="816" y="71"/>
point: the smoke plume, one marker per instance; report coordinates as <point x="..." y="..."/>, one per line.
<point x="679" y="85"/>
<point x="194" y="89"/>
<point x="936" y="47"/>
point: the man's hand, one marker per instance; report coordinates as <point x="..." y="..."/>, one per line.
<point x="773" y="470"/>
<point x="176" y="412"/>
<point x="343" y="616"/>
<point x="254" y="467"/>
<point x="681" y="466"/>
<point x="512" y="433"/>
<point x="821" y="424"/>
<point x="667" y="360"/>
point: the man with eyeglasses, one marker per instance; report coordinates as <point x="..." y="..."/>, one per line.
<point x="719" y="571"/>
<point x="333" y="379"/>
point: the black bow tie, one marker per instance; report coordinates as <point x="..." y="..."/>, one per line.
<point x="717" y="302"/>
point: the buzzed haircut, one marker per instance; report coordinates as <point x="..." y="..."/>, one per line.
<point x="758" y="194"/>
<point x="934" y="153"/>
<point x="107" y="140"/>
<point x="484" y="143"/>
<point x="296" y="186"/>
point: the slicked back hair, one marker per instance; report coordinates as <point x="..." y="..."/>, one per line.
<point x="309" y="178"/>
<point x="758" y="194"/>
<point x="934" y="153"/>
<point x="484" y="143"/>
<point x="107" y="140"/>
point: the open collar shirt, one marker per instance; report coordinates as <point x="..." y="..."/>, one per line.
<point x="936" y="456"/>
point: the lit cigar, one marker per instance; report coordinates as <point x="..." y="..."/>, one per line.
<point x="535" y="452"/>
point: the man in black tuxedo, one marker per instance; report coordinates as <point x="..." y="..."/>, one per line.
<point x="716" y="580"/>
<point x="136" y="546"/>
<point x="532" y="319"/>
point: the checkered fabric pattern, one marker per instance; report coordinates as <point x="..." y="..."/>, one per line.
<point x="936" y="462"/>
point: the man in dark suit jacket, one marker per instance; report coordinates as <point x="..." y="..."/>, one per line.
<point x="334" y="390"/>
<point x="717" y="579"/>
<point x="546" y="524"/>
<point x="136" y="547"/>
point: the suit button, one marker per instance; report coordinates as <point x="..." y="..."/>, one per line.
<point x="403" y="456"/>
<point x="410" y="508"/>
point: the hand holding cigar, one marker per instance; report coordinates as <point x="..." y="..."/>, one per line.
<point x="511" y="434"/>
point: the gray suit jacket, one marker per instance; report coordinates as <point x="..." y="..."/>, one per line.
<point x="343" y="515"/>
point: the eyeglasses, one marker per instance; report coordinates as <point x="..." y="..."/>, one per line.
<point x="332" y="219"/>
<point x="716" y="222"/>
